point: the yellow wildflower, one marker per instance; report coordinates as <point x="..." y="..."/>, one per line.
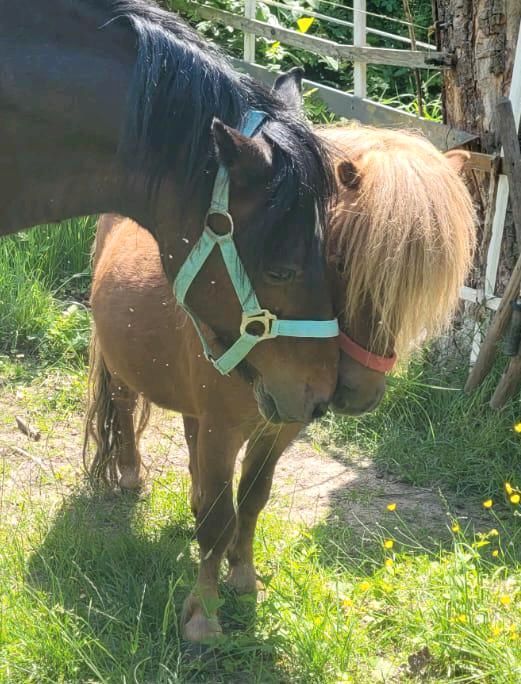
<point x="455" y="527"/>
<point x="505" y="600"/>
<point x="515" y="499"/>
<point x="508" y="487"/>
<point x="391" y="507"/>
<point x="488" y="503"/>
<point x="347" y="603"/>
<point x="517" y="427"/>
<point x="496" y="630"/>
<point x="386" y="587"/>
<point x="493" y="533"/>
<point x="364" y="586"/>
<point x="389" y="563"/>
<point x="461" y="618"/>
<point x="388" y="543"/>
<point x="495" y="553"/>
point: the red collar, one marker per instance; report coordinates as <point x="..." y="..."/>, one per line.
<point x="381" y="364"/>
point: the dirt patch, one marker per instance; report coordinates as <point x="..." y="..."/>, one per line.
<point x="312" y="483"/>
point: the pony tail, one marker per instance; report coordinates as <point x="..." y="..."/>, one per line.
<point x="102" y="423"/>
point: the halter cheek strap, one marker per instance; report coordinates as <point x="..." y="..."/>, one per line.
<point x="257" y="324"/>
<point x="381" y="364"/>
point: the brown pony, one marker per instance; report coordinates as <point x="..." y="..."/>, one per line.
<point x="400" y="241"/>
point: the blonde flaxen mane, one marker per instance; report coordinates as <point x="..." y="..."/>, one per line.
<point x="405" y="234"/>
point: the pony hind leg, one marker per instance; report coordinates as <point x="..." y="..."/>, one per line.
<point x="262" y="453"/>
<point x="127" y="454"/>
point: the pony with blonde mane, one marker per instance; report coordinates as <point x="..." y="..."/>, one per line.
<point x="402" y="239"/>
<point x="399" y="246"/>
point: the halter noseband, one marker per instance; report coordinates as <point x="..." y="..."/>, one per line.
<point x="252" y="313"/>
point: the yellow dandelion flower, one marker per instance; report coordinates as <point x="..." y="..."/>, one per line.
<point x="488" y="503"/>
<point x="347" y="603"/>
<point x="455" y="527"/>
<point x="508" y="488"/>
<point x="391" y="507"/>
<point x="461" y="618"/>
<point x="505" y="600"/>
<point x="496" y="630"/>
<point x="388" y="543"/>
<point x="364" y="586"/>
<point x="389" y="563"/>
<point x="517" y="427"/>
<point x="515" y="499"/>
<point x="493" y="533"/>
<point x="495" y="553"/>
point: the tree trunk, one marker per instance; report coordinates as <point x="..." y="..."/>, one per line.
<point x="482" y="34"/>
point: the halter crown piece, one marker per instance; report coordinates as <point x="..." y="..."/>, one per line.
<point x="252" y="313"/>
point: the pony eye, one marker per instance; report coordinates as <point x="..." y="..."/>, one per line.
<point x="280" y="275"/>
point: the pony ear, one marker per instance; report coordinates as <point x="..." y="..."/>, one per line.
<point x="288" y="87"/>
<point x="348" y="174"/>
<point x="245" y="158"/>
<point x="457" y="159"/>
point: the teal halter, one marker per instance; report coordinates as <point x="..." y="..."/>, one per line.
<point x="252" y="313"/>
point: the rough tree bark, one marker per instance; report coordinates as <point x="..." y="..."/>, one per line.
<point x="482" y="34"/>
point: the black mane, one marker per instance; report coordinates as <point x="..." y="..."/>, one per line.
<point x="180" y="83"/>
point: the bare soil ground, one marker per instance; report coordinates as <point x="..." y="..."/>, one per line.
<point x="313" y="483"/>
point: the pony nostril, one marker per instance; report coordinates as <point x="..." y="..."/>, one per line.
<point x="320" y="410"/>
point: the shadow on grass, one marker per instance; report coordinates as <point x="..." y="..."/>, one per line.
<point x="122" y="565"/>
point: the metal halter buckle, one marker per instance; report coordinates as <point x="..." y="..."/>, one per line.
<point x="262" y="316"/>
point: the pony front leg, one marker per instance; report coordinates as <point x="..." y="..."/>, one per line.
<point x="191" y="426"/>
<point x="215" y="522"/>
<point x="262" y="453"/>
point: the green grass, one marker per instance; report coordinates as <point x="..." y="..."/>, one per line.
<point x="92" y="588"/>
<point x="44" y="276"/>
<point x="429" y="432"/>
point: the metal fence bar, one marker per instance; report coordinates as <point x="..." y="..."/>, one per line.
<point x="250" y="7"/>
<point x="359" y="37"/>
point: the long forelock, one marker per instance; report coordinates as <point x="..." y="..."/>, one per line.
<point x="406" y="242"/>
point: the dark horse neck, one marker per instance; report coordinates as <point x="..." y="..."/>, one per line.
<point x="63" y="93"/>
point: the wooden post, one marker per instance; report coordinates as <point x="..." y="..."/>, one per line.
<point x="249" y="38"/>
<point x="359" y="37"/>
<point x="512" y="169"/>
